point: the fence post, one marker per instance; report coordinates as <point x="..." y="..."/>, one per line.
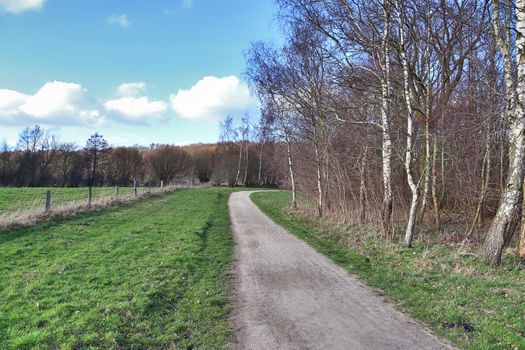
<point x="161" y="184"/>
<point x="149" y="186"/>
<point x="135" y="187"/>
<point x="48" y="202"/>
<point x="90" y="196"/>
<point x="116" y="191"/>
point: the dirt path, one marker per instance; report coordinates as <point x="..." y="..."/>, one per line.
<point x="288" y="296"/>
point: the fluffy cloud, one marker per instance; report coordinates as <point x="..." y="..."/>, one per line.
<point x="212" y="98"/>
<point x="62" y="103"/>
<point x="54" y="103"/>
<point x="17" y="6"/>
<point x="187" y="4"/>
<point x="131" y="89"/>
<point x="10" y="102"/>
<point x="132" y="106"/>
<point x="120" y="20"/>
<point x="136" y="109"/>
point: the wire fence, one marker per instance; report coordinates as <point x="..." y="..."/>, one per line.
<point x="27" y="206"/>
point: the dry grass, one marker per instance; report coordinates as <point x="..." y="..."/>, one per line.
<point x="31" y="215"/>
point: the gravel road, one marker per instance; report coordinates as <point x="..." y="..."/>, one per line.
<point x="288" y="296"/>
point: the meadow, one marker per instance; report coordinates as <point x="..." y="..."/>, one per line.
<point x="444" y="285"/>
<point x="23" y="198"/>
<point x="147" y="274"/>
<point x="155" y="273"/>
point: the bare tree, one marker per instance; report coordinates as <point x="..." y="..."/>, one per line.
<point x="168" y="162"/>
<point x="66" y="160"/>
<point x="123" y="165"/>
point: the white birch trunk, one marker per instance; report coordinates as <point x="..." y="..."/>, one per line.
<point x="290" y="169"/>
<point x="435" y="198"/>
<point x="259" y="173"/>
<point x="362" y="187"/>
<point x="319" y="182"/>
<point x="239" y="164"/>
<point x="426" y="185"/>
<point x="386" y="211"/>
<point x="428" y="111"/>
<point x="246" y="162"/>
<point x="501" y="229"/>
<point x="521" y="244"/>
<point x="408" y="155"/>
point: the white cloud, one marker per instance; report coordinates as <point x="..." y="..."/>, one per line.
<point x="120" y="20"/>
<point x="212" y="98"/>
<point x="136" y="108"/>
<point x="17" y="6"/>
<point x="187" y="3"/>
<point x="10" y="102"/>
<point x="55" y="102"/>
<point x="131" y="89"/>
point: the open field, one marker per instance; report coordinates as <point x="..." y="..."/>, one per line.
<point x="461" y="299"/>
<point x="150" y="274"/>
<point x="22" y="198"/>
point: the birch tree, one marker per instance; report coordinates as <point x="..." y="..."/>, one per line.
<point x="265" y="71"/>
<point x="360" y="35"/>
<point x="414" y="186"/>
<point x="501" y="229"/>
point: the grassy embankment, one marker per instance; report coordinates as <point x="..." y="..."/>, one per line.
<point x="151" y="274"/>
<point x="446" y="287"/>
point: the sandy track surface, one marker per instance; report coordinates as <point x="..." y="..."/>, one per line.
<point x="288" y="296"/>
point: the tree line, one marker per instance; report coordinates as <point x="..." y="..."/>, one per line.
<point x="402" y="112"/>
<point x="40" y="159"/>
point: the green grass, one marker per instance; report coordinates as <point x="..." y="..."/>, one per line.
<point x="20" y="198"/>
<point x="152" y="274"/>
<point x="471" y="304"/>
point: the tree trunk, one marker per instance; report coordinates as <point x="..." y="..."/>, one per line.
<point x="428" y="112"/>
<point x="435" y="199"/>
<point x="502" y="228"/>
<point x="408" y="155"/>
<point x="94" y="171"/>
<point x="292" y="176"/>
<point x="246" y="155"/>
<point x="239" y="165"/>
<point x="426" y="185"/>
<point x="341" y="188"/>
<point x="259" y="173"/>
<point x="521" y="246"/>
<point x="386" y="210"/>
<point x="443" y="193"/>
<point x="319" y="182"/>
<point x="362" y="187"/>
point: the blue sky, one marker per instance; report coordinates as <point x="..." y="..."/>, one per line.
<point x="138" y="71"/>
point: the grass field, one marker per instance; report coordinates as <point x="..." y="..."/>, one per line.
<point x="21" y="198"/>
<point x="471" y="304"/>
<point x="152" y="274"/>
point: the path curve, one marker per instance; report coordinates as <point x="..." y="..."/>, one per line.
<point x="288" y="296"/>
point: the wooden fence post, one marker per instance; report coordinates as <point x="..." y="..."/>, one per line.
<point x="135" y="187"/>
<point x="90" y="196"/>
<point x="48" y="202"/>
<point x="149" y="186"/>
<point x="116" y="191"/>
<point x="161" y="184"/>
